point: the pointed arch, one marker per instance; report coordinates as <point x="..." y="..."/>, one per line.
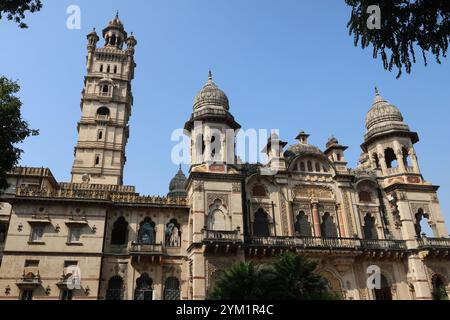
<point x="119" y="233"/>
<point x="302" y="225"/>
<point x="172" y="289"/>
<point x="261" y="227"/>
<point x="147" y="232"/>
<point x="144" y="288"/>
<point x="115" y="288"/>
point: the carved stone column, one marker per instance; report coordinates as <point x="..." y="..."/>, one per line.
<point x="414" y="161"/>
<point x="316" y="217"/>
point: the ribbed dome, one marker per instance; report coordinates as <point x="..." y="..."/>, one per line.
<point x="177" y="186"/>
<point x="302" y="149"/>
<point x="211" y="95"/>
<point x="381" y="113"/>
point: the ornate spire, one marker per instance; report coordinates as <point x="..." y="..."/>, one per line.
<point x="210" y="78"/>
<point x="117" y="14"/>
<point x="377" y="93"/>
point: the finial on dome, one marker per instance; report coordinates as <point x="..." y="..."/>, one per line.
<point x="209" y="75"/>
<point x="376" y="91"/>
<point x="117" y="14"/>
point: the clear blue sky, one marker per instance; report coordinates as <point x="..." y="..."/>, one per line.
<point x="284" y="64"/>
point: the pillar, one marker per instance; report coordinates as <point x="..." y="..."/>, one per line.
<point x="316" y="218"/>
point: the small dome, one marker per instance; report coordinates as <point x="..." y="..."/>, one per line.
<point x="382" y="113"/>
<point x="302" y="149"/>
<point x="211" y="95"/>
<point x="177" y="186"/>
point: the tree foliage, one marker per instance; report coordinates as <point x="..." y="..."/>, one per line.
<point x="406" y="26"/>
<point x="289" y="277"/>
<point x="13" y="129"/>
<point x="15" y="10"/>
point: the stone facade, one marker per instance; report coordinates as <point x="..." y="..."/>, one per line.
<point x="122" y="245"/>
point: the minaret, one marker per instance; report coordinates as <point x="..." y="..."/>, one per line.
<point x="105" y="107"/>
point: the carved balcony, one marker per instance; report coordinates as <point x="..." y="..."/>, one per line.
<point x="145" y="251"/>
<point x="436" y="247"/>
<point x="29" y="280"/>
<point x="223" y="241"/>
<point x="275" y="245"/>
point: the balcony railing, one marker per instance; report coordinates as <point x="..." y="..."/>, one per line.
<point x="29" y="280"/>
<point x="327" y="243"/>
<point x="221" y="236"/>
<point x="137" y="248"/>
<point x="382" y="244"/>
<point x="306" y="242"/>
<point x="434" y="243"/>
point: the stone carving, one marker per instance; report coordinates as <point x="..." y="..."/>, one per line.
<point x="199" y="186"/>
<point x="236" y="187"/>
<point x="416" y="206"/>
<point x="217" y="196"/>
<point x="311" y="191"/>
<point x="348" y="214"/>
<point x="284" y="220"/>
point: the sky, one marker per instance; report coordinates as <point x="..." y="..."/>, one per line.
<point x="287" y="65"/>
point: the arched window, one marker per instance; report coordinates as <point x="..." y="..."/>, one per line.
<point x="119" y="234"/>
<point x="103" y="111"/>
<point x="144" y="288"/>
<point x="406" y="158"/>
<point x="365" y="196"/>
<point x="101" y="68"/>
<point x="325" y="169"/>
<point x="376" y="160"/>
<point x="115" y="288"/>
<point x="172" y="235"/>
<point x="97" y="160"/>
<point x="146" y="233"/>
<point x="422" y="225"/>
<point x="108" y="69"/>
<point x="217" y="220"/>
<point x="328" y="227"/>
<point x="302" y="166"/>
<point x="261" y="224"/>
<point x="172" y="289"/>
<point x="105" y="88"/>
<point x="100" y="134"/>
<point x="384" y="292"/>
<point x="370" y="231"/>
<point x="391" y="158"/>
<point x="439" y="288"/>
<point x="317" y="167"/>
<point x="115" y="69"/>
<point x="310" y="167"/>
<point x="302" y="225"/>
<point x="215" y="146"/>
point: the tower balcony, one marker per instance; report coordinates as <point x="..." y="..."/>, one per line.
<point x="221" y="240"/>
<point x="436" y="247"/>
<point x="29" y="280"/>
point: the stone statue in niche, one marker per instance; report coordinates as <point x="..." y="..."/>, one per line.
<point x="172" y="234"/>
<point x="146" y="233"/>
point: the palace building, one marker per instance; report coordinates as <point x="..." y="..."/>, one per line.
<point x="122" y="245"/>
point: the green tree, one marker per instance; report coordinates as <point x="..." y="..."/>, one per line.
<point x="13" y="129"/>
<point x="15" y="9"/>
<point x="406" y="25"/>
<point x="296" y="279"/>
<point x="289" y="277"/>
<point x="244" y="281"/>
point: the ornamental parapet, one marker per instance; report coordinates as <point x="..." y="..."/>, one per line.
<point x="116" y="195"/>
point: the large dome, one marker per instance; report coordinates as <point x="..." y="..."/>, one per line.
<point x="211" y="95"/>
<point x="177" y="186"/>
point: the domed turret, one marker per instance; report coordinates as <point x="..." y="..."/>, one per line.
<point x="302" y="148"/>
<point x="383" y="117"/>
<point x="115" y="34"/>
<point x="177" y="186"/>
<point x="211" y="95"/>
